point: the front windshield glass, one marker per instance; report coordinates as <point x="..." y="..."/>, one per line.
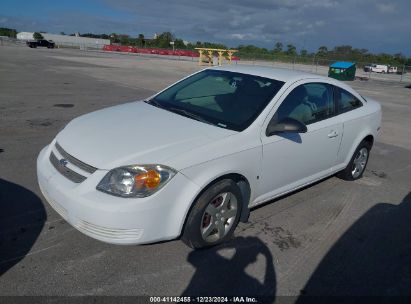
<point x="221" y="98"/>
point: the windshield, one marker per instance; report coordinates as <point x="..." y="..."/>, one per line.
<point x="221" y="98"/>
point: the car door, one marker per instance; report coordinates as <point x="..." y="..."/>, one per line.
<point x="291" y="160"/>
<point x="347" y="105"/>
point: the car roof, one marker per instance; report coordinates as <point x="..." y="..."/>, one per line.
<point x="280" y="74"/>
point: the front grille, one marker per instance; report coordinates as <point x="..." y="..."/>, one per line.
<point x="75" y="161"/>
<point x="70" y="174"/>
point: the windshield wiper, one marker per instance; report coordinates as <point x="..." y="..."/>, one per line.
<point x="154" y="103"/>
<point x="188" y="114"/>
<point x="178" y="111"/>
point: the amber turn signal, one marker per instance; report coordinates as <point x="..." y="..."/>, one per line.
<point x="150" y="180"/>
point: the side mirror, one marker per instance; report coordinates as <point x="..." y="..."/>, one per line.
<point x="287" y="125"/>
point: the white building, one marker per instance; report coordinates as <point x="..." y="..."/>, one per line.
<point x="65" y="40"/>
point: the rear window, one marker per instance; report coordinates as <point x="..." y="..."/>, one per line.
<point x="347" y="101"/>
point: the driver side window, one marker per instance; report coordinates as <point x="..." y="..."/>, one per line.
<point x="308" y="103"/>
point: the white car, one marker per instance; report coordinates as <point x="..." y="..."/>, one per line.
<point x="193" y="159"/>
<point x="379" y="68"/>
<point x="392" y="69"/>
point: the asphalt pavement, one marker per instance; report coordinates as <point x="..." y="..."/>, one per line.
<point x="331" y="238"/>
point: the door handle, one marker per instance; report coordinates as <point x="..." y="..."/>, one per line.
<point x="333" y="134"/>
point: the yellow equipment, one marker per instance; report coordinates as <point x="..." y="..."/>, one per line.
<point x="207" y="55"/>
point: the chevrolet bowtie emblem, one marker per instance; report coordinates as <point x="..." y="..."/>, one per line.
<point x="63" y="162"/>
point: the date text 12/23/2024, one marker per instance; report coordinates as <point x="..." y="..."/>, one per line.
<point x="239" y="299"/>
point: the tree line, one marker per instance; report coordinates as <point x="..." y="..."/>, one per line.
<point x="159" y="41"/>
<point x="280" y="51"/>
<point x="8" y="32"/>
<point x="323" y="53"/>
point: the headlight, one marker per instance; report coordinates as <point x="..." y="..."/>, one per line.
<point x="136" y="181"/>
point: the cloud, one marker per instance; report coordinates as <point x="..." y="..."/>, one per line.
<point x="243" y="36"/>
<point x="386" y="7"/>
<point x="304" y="23"/>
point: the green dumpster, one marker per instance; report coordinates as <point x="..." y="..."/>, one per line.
<point x="342" y="70"/>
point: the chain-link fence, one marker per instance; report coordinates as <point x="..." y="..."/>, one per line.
<point x="6" y="41"/>
<point x="313" y="64"/>
<point x="321" y="65"/>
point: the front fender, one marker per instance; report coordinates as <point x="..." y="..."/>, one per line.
<point x="245" y="163"/>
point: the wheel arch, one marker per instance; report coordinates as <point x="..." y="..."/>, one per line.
<point x="367" y="136"/>
<point x="366" y="140"/>
<point x="369" y="139"/>
<point x="245" y="188"/>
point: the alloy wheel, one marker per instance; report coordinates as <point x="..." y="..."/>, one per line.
<point x="359" y="163"/>
<point x="218" y="217"/>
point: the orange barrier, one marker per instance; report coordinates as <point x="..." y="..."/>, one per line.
<point x="155" y="51"/>
<point x="131" y="49"/>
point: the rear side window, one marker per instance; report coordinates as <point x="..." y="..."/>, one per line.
<point x="347" y="101"/>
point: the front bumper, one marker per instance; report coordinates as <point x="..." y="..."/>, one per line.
<point x="114" y="219"/>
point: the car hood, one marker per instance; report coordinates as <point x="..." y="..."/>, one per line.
<point x="134" y="133"/>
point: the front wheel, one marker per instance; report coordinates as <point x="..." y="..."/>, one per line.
<point x="214" y="216"/>
<point x="358" y="162"/>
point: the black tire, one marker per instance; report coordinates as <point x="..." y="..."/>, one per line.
<point x="347" y="173"/>
<point x="192" y="234"/>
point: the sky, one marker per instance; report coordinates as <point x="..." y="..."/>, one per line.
<point x="376" y="25"/>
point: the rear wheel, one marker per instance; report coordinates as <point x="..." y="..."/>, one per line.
<point x="358" y="162"/>
<point x="214" y="216"/>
